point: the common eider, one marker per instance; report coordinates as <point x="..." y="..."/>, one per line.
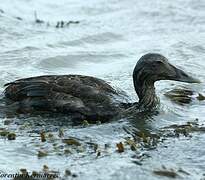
<point x="86" y="97"/>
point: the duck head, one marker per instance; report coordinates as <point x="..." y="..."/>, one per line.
<point x="151" y="68"/>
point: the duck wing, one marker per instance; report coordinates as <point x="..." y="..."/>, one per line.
<point x="88" y="96"/>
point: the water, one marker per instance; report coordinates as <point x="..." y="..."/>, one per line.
<point x="108" y="41"/>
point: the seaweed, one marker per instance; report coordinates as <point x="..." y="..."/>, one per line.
<point x="59" y="24"/>
<point x="137" y="162"/>
<point x="180" y="96"/>
<point x="183" y="171"/>
<point x="170" y="173"/>
<point x="43" y="136"/>
<point x="67" y="151"/>
<point x="167" y="173"/>
<point x="72" y="22"/>
<point x="71" y="141"/>
<point x="7" y="122"/>
<point x="42" y="153"/>
<point x="11" y="136"/>
<point x="183" y="96"/>
<point x="133" y="145"/>
<point x="39" y="21"/>
<point x="142" y="139"/>
<point x="98" y="153"/>
<point x="120" y="147"/>
<point x="85" y="123"/>
<point x="200" y="97"/>
<point x="68" y="172"/>
<point x="61" y="132"/>
<point x="4" y="132"/>
<point x="176" y="130"/>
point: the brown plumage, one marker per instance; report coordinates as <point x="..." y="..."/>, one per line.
<point x="85" y="97"/>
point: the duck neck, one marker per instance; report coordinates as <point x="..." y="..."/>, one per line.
<point x="146" y="93"/>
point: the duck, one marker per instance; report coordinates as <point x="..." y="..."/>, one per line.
<point x="86" y="97"/>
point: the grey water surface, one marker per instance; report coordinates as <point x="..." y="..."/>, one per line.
<point x="110" y="38"/>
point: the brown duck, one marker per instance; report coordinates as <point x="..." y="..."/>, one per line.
<point x="86" y="97"/>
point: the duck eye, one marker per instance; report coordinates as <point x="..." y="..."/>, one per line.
<point x="159" y="62"/>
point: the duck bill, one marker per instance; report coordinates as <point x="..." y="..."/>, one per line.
<point x="180" y="75"/>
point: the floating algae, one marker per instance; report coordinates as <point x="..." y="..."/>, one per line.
<point x="11" y="136"/>
<point x="120" y="147"/>
<point x="142" y="139"/>
<point x="62" y="24"/>
<point x="69" y="173"/>
<point x="180" y="96"/>
<point x="85" y="123"/>
<point x="71" y="141"/>
<point x="167" y="173"/>
<point x="42" y="153"/>
<point x="7" y="122"/>
<point x="200" y="97"/>
<point x="170" y="173"/>
<point x="6" y="133"/>
<point x="133" y="145"/>
<point x="61" y="132"/>
<point x="98" y="153"/>
<point x="43" y="137"/>
<point x="176" y="130"/>
<point x="183" y="96"/>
